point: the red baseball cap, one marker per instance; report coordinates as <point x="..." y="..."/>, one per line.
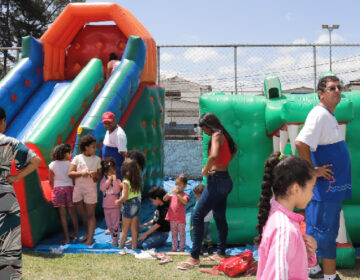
<point x="108" y="117"/>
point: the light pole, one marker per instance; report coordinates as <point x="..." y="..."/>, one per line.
<point x="330" y="28"/>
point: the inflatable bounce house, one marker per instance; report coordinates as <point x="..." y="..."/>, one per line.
<point x="261" y="125"/>
<point x="58" y="92"/>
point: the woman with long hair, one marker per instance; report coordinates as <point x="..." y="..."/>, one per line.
<point x="221" y="150"/>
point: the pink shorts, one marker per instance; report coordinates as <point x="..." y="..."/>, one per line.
<point x="86" y="193"/>
<point x="62" y="196"/>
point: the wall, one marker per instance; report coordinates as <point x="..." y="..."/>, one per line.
<point x="183" y="156"/>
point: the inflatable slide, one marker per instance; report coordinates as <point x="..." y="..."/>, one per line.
<point x="57" y="92"/>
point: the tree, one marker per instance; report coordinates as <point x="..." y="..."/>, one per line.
<point x="19" y="18"/>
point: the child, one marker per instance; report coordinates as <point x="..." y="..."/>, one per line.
<point x="131" y="201"/>
<point x="62" y="189"/>
<point x="86" y="170"/>
<point x="207" y="238"/>
<point x="291" y="180"/>
<point x="110" y="187"/>
<point x="157" y="235"/>
<point x="176" y="214"/>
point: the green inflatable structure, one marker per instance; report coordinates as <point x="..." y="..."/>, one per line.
<point x="261" y="125"/>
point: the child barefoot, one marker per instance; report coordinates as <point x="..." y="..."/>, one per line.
<point x="110" y="187"/>
<point x="86" y="170"/>
<point x="131" y="201"/>
<point x="176" y="214"/>
<point x="207" y="237"/>
<point x="284" y="253"/>
<point x="63" y="187"/>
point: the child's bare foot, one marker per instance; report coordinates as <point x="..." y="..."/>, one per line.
<point x="73" y="237"/>
<point x="89" y="242"/>
<point x="107" y="232"/>
<point x="83" y="239"/>
<point x="65" y="241"/>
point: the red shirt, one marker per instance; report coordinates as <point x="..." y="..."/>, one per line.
<point x="176" y="210"/>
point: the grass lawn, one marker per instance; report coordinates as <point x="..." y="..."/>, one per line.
<point x="93" y="267"/>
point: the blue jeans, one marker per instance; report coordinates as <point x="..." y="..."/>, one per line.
<point x="214" y="197"/>
<point x="155" y="240"/>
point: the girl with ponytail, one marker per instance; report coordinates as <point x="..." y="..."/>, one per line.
<point x="288" y="182"/>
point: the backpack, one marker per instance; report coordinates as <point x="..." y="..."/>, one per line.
<point x="236" y="265"/>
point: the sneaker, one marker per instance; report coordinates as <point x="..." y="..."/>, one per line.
<point x="317" y="275"/>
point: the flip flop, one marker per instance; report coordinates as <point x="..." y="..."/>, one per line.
<point x="187" y="265"/>
<point x="212" y="259"/>
<point x="166" y="259"/>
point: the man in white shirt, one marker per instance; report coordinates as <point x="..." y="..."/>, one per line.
<point x="321" y="143"/>
<point x="115" y="141"/>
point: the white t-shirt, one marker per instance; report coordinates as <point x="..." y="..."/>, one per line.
<point x="320" y="128"/>
<point x="61" y="169"/>
<point x="117" y="138"/>
<point x="85" y="163"/>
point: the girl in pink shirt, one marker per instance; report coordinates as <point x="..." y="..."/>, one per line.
<point x="176" y="213"/>
<point x="110" y="187"/>
<point x="284" y="252"/>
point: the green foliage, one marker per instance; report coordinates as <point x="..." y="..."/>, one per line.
<point x="19" y="18"/>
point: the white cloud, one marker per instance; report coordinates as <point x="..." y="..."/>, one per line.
<point x="288" y="16"/>
<point x="281" y="62"/>
<point x="200" y="54"/>
<point x="226" y="70"/>
<point x="166" y="57"/>
<point x="254" y="60"/>
<point x="324" y="38"/>
<point x="285" y="50"/>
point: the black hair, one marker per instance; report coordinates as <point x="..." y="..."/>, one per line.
<point x="2" y="113"/>
<point x="113" y="56"/>
<point x="213" y="123"/>
<point x="130" y="170"/>
<point x="199" y="189"/>
<point x="156" y="192"/>
<point x="85" y="141"/>
<point x="138" y="156"/>
<point x="183" y="179"/>
<point x="324" y="80"/>
<point x="107" y="163"/>
<point x="60" y="150"/>
<point x="279" y="175"/>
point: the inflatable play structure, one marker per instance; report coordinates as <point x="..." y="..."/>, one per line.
<point x="261" y="125"/>
<point x="57" y="92"/>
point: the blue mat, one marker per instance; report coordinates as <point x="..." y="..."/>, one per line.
<point x="102" y="244"/>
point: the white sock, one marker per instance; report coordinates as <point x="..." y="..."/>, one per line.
<point x="314" y="269"/>
<point x="329" y="277"/>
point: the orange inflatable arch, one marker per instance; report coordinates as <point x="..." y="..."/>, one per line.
<point x="61" y="33"/>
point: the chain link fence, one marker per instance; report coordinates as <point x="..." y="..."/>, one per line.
<point x="188" y="71"/>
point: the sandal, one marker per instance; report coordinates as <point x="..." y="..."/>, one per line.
<point x="187" y="265"/>
<point x="214" y="258"/>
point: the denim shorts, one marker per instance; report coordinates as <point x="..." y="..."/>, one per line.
<point x="131" y="207"/>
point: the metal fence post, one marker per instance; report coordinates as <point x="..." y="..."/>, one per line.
<point x="235" y="68"/>
<point x="314" y="55"/>
<point x="158" y="64"/>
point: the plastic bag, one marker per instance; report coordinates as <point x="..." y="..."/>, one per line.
<point x="238" y="264"/>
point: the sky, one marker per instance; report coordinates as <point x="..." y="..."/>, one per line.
<point x="201" y="22"/>
<point x="245" y="22"/>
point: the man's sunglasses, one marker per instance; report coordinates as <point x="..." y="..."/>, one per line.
<point x="332" y="88"/>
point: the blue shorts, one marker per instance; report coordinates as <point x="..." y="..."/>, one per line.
<point x="131" y="207"/>
<point x="322" y="223"/>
